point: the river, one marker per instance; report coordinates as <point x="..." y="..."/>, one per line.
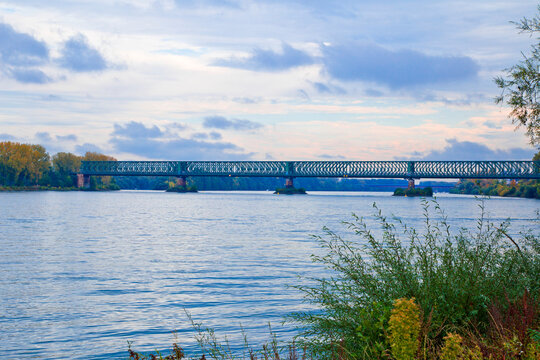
<point x="82" y="273"/>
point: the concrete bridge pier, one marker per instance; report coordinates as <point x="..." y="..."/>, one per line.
<point x="83" y="181"/>
<point x="181" y="181"/>
<point x="289" y="182"/>
<point x="411" y="184"/>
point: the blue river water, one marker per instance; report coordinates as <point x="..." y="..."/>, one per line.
<point x="82" y="273"/>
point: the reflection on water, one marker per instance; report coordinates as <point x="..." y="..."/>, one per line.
<point x="83" y="273"/>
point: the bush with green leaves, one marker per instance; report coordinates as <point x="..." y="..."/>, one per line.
<point x="454" y="277"/>
<point x="425" y="192"/>
<point x="404" y="329"/>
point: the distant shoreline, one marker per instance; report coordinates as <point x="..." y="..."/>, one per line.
<point x="45" y="188"/>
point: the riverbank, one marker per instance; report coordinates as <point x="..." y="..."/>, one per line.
<point x="522" y="188"/>
<point x="37" y="188"/>
<point x="52" y="188"/>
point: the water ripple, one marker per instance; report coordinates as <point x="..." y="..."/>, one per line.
<point x="83" y="273"/>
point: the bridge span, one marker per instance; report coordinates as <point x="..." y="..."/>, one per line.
<point x="289" y="170"/>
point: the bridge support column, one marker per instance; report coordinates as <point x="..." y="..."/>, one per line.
<point x="181" y="181"/>
<point x="83" y="181"/>
<point x="289" y="182"/>
<point x="411" y="184"/>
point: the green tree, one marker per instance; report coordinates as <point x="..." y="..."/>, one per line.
<point x="39" y="165"/>
<point x="94" y="156"/>
<point x="66" y="163"/>
<point x="22" y="164"/>
<point x="63" y="166"/>
<point x="520" y="85"/>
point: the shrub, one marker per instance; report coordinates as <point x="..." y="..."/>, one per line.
<point x="453" y="349"/>
<point x="404" y="327"/>
<point x="290" y="191"/>
<point x="426" y="192"/>
<point x="511" y="329"/>
<point x="454" y="277"/>
<point x="182" y="189"/>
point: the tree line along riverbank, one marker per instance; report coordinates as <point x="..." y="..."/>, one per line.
<point x="30" y="167"/>
<point x="493" y="187"/>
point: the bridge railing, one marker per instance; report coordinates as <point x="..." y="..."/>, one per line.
<point x="357" y="169"/>
<point x="236" y="168"/>
<point x="477" y="169"/>
<point x="351" y="168"/>
<point x="129" y="168"/>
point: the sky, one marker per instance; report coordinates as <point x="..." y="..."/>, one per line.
<point x="262" y="80"/>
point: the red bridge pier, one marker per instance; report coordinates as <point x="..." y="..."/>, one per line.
<point x="181" y="181"/>
<point x="83" y="181"/>
<point x="289" y="182"/>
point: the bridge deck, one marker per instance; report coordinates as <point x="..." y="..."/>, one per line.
<point x="347" y="169"/>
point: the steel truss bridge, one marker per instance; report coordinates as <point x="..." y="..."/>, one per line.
<point x="343" y="169"/>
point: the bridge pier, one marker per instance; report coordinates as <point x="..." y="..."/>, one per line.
<point x="411" y="184"/>
<point x="181" y="181"/>
<point x="289" y="182"/>
<point x="83" y="181"/>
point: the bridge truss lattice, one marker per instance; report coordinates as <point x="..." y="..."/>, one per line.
<point x="345" y="169"/>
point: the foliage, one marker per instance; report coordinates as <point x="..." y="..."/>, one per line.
<point x="523" y="188"/>
<point x="213" y="348"/>
<point x="22" y="164"/>
<point x="63" y="166"/>
<point x="28" y="166"/>
<point x="511" y="328"/>
<point x="177" y="353"/>
<point x="95" y="156"/>
<point x="453" y="349"/>
<point x="404" y="328"/>
<point x="425" y="192"/>
<point x="521" y="85"/>
<point x="181" y="189"/>
<point x="290" y="191"/>
<point x="66" y="163"/>
<point x="453" y="277"/>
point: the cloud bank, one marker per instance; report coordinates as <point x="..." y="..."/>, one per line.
<point x="18" y="49"/>
<point x="136" y="130"/>
<point x="396" y="69"/>
<point x="467" y="150"/>
<point x="269" y="60"/>
<point x="151" y="142"/>
<point x="363" y="62"/>
<point x="78" y="56"/>
<point x="20" y="54"/>
<point x="220" y="122"/>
